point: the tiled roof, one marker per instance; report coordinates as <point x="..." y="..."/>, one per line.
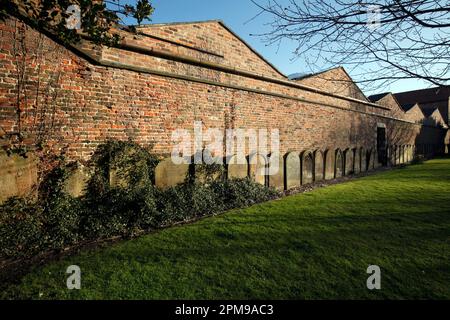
<point x="424" y="95"/>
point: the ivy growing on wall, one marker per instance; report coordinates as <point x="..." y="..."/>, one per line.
<point x="37" y="89"/>
<point x="120" y="200"/>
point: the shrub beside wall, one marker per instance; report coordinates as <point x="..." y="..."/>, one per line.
<point x="124" y="204"/>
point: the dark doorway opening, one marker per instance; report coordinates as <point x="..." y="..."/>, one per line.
<point x="381" y="145"/>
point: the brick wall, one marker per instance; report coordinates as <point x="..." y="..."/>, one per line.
<point x="210" y="41"/>
<point x="335" y="81"/>
<point x="77" y="98"/>
<point x="415" y="114"/>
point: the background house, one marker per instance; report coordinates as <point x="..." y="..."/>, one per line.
<point x="428" y="100"/>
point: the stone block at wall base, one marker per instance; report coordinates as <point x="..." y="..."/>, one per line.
<point x="169" y="174"/>
<point x="276" y="174"/>
<point x="76" y="183"/>
<point x="18" y="175"/>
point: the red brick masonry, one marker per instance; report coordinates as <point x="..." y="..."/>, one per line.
<point x="171" y="75"/>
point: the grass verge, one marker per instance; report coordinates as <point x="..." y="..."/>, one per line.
<point x="315" y="245"/>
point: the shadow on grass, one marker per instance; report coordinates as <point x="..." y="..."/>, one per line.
<point x="306" y="246"/>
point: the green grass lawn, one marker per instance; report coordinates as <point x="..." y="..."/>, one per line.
<point x="306" y="246"/>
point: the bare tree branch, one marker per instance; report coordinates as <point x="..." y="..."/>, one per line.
<point x="388" y="39"/>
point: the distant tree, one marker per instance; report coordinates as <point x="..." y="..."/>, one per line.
<point x="97" y="16"/>
<point x="388" y="39"/>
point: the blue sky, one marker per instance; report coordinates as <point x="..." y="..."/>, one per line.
<point x="237" y="15"/>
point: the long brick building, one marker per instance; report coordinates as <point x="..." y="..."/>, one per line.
<point x="166" y="77"/>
